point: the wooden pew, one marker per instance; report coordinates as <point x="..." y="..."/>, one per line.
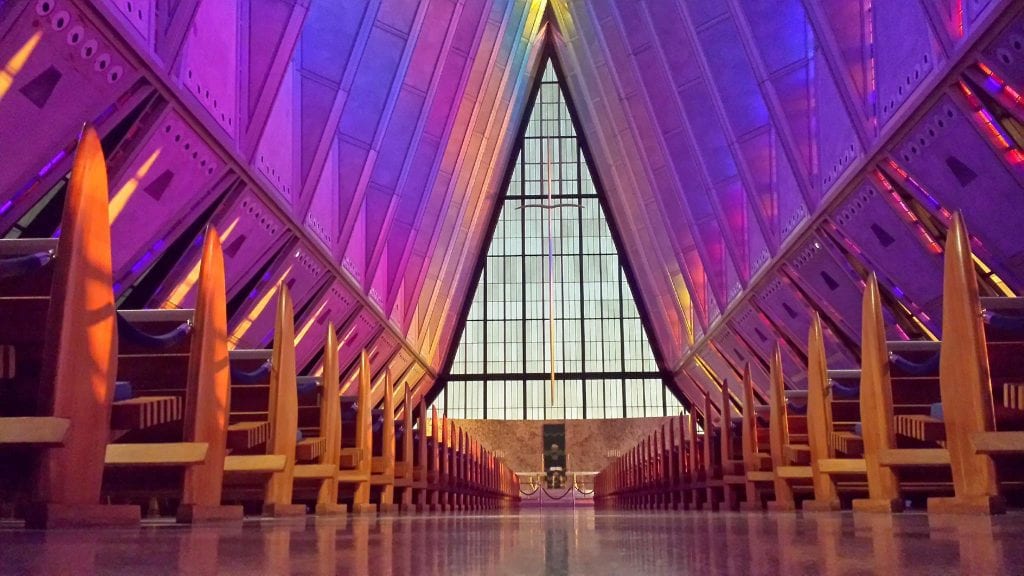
<point x="734" y="473"/>
<point x="890" y="401"/>
<point x="264" y="412"/>
<point x="836" y="450"/>
<point x="984" y="437"/>
<point x="421" y="462"/>
<point x="711" y="460"/>
<point x="382" y="474"/>
<point x="319" y="452"/>
<point x="179" y="412"/>
<point x="60" y="339"/>
<point x="889" y="462"/>
<point x="405" y="457"/>
<point x="788" y="460"/>
<point x="356" y="461"/>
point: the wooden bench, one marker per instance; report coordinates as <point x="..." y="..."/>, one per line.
<point x="382" y="466"/>
<point x="356" y="456"/>
<point x="405" y="457"/>
<point x="318" y="453"/>
<point x="268" y="394"/>
<point x="173" y="361"/>
<point x="980" y="359"/>
<point x="789" y="461"/>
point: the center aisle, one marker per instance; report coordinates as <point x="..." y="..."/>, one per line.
<point x="555" y="541"/>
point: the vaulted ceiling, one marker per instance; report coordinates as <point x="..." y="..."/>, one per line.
<point x="759" y="156"/>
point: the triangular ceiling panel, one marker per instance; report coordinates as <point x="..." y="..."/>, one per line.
<point x="729" y="139"/>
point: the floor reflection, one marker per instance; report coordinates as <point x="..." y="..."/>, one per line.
<point x="551" y="542"/>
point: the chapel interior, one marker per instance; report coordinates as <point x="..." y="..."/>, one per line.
<point x="511" y="287"/>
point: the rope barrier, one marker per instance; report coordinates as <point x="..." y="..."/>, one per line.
<point x="21" y="265"/>
<point x="564" y="494"/>
<point x="255" y="377"/>
<point x="128" y="331"/>
<point x="1004" y="322"/>
<point x="525" y="493"/>
<point x="798" y="409"/>
<point x="845" y="392"/>
<point x="929" y="366"/>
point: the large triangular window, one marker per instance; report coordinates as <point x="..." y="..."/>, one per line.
<point x="604" y="365"/>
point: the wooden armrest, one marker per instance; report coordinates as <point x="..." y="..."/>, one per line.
<point x="39" y="431"/>
<point x="157" y="454"/>
<point x="760" y="476"/>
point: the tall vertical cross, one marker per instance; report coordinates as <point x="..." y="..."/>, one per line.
<point x="550" y="207"/>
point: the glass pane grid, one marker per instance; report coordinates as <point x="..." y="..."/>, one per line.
<point x="556" y="262"/>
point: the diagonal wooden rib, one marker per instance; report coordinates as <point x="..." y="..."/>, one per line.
<point x="33" y="431"/>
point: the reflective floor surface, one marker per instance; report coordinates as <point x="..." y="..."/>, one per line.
<point x="542" y="542"/>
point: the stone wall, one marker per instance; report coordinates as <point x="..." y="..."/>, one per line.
<point x="590" y="444"/>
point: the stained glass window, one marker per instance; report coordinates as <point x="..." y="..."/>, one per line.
<point x="604" y="364"/>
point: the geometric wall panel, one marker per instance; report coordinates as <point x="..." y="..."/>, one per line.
<point x="61" y="68"/>
<point x="954" y="164"/>
<point x="170" y="172"/>
<point x="890" y="246"/>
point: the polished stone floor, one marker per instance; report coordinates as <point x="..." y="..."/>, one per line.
<point x="542" y="542"/>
